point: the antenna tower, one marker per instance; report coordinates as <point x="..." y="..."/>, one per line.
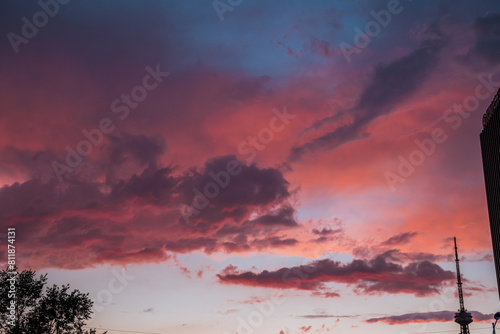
<point x="462" y="317"/>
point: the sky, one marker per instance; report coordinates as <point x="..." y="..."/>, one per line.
<point x="250" y="166"/>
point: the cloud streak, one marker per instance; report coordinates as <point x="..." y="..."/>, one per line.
<point x="390" y="85"/>
<point x="440" y="316"/>
<point x="379" y="275"/>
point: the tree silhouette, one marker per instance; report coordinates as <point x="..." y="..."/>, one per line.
<point x="53" y="311"/>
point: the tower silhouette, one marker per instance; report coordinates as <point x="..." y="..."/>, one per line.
<point x="462" y="317"/>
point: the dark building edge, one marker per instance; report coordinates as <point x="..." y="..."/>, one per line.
<point x="490" y="150"/>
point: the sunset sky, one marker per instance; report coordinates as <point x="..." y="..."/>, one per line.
<point x="251" y="166"/>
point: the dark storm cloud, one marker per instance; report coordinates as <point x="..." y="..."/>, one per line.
<point x="325" y="231"/>
<point x="37" y="199"/>
<point x="390" y="85"/>
<point x="282" y="217"/>
<point x="240" y="243"/>
<point x="398" y="255"/>
<point x="33" y="163"/>
<point x="145" y="150"/>
<point x="486" y="50"/>
<point x="113" y="219"/>
<point x="99" y="36"/>
<point x="327" y="234"/>
<point x="378" y="275"/>
<point x="185" y="245"/>
<point x="402" y="238"/>
<point x="250" y="187"/>
<point x="156" y="186"/>
<point x="273" y="242"/>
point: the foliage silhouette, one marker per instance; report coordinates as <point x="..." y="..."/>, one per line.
<point x="53" y="311"/>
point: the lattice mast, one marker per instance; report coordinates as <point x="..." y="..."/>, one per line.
<point x="463" y="318"/>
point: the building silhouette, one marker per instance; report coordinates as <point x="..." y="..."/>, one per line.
<point x="490" y="149"/>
